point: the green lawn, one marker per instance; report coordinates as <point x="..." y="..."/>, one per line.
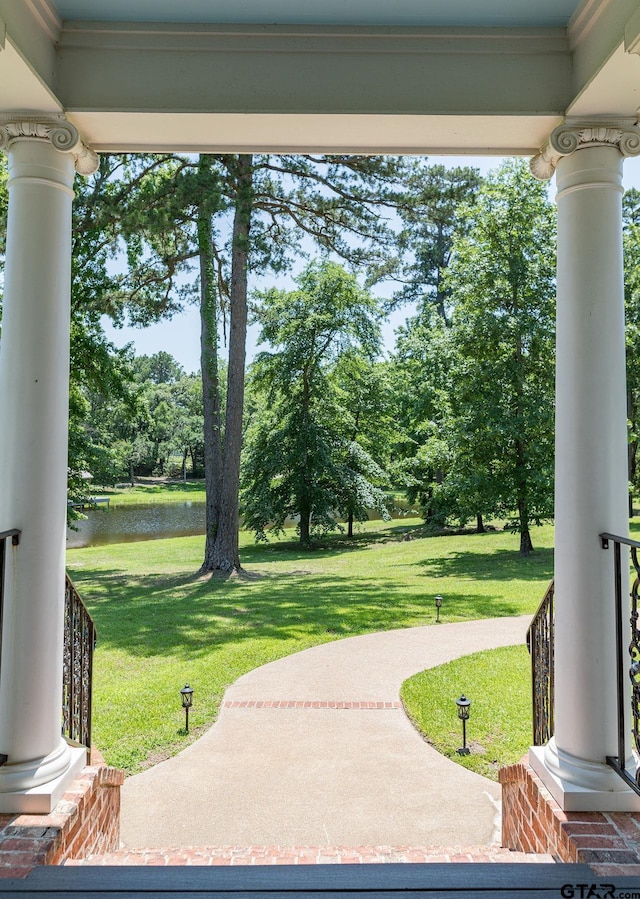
<point x="499" y="730"/>
<point x="160" y="625"/>
<point x="153" y="492"/>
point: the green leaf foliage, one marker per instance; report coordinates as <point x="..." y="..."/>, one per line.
<point x="303" y="458"/>
<point x="631" y="245"/>
<point x="499" y="425"/>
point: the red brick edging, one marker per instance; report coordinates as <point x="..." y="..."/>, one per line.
<point x="308" y="704"/>
<point x="308" y="855"/>
<point x="532" y="821"/>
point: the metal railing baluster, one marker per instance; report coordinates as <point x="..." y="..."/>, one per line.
<point x="540" y="642"/>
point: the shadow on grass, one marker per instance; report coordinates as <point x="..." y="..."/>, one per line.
<point x="187" y="616"/>
<point x="329" y="545"/>
<point x="501" y="565"/>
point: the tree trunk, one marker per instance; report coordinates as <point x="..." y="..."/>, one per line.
<point x="226" y="553"/>
<point x="305" y="526"/>
<point x="210" y="383"/>
<point x="526" y="546"/>
<point x="131" y="474"/>
<point x="184" y="466"/>
<point x="479" y="525"/>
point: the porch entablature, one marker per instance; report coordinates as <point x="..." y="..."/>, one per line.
<point x="372" y="83"/>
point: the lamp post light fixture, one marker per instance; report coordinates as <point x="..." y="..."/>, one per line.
<point x="187" y="702"/>
<point x="463" y="714"/>
<point x="438" y="607"/>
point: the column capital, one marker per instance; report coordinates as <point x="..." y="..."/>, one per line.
<point x="623" y="133"/>
<point x="60" y="133"/>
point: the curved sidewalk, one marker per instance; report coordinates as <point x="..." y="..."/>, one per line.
<point x="315" y="750"/>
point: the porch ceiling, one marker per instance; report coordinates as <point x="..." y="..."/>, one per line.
<point x="358" y="76"/>
<point x="487" y="14"/>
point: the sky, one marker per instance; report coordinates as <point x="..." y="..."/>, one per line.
<point x="180" y="336"/>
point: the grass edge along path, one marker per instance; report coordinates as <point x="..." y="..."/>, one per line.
<point x="499" y="729"/>
<point x="160" y="625"/>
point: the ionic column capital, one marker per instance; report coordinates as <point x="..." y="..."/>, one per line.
<point x="623" y="134"/>
<point x="57" y="131"/>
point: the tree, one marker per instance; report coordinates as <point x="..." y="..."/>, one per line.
<point x="430" y="211"/>
<point x="334" y="200"/>
<point x="107" y="210"/>
<point x="431" y="199"/>
<point x="4" y="206"/>
<point x="502" y="278"/>
<point x="631" y="237"/>
<point x="298" y="460"/>
<point x="420" y="366"/>
<point x="102" y="391"/>
<point x="161" y="368"/>
<point x="364" y="396"/>
<point x="244" y="214"/>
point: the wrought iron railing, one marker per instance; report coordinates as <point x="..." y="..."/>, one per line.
<point x="14" y="534"/>
<point x="627" y="654"/>
<point x="540" y="642"/>
<point x="77" y="667"/>
<point x="77" y="664"/>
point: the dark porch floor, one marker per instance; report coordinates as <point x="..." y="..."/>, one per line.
<point x="435" y="881"/>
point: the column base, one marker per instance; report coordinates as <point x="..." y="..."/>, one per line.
<point x="571" y="797"/>
<point x="41" y="800"/>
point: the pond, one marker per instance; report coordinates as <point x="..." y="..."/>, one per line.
<point x="151" y="521"/>
<point x="146" y="521"/>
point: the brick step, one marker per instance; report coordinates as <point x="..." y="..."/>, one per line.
<point x="305" y="855"/>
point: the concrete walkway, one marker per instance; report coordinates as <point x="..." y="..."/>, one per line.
<point x="315" y="750"/>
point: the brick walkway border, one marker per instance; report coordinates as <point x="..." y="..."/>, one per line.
<point x="297" y="855"/>
<point x="308" y="704"/>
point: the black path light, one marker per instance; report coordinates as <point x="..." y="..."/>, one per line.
<point x="187" y="702"/>
<point x="438" y="607"/>
<point x="463" y="714"/>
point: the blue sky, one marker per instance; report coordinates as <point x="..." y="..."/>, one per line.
<point x="181" y="335"/>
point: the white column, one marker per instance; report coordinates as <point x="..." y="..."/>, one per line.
<point x="34" y="389"/>
<point x="591" y="481"/>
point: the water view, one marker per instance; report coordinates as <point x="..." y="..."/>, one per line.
<point x="146" y="521"/>
<point x="152" y="521"/>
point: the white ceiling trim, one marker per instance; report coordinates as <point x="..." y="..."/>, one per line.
<point x="316" y="39"/>
<point x="585" y="19"/>
<point x="46" y="15"/>
<point x="281" y="70"/>
<point x="605" y="80"/>
<point x="115" y="132"/>
<point x="632" y="34"/>
<point x="21" y="90"/>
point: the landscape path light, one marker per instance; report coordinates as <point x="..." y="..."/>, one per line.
<point x="463" y="714"/>
<point x="438" y="607"/>
<point x="187" y="702"/>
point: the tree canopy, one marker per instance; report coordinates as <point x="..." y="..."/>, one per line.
<point x="302" y="460"/>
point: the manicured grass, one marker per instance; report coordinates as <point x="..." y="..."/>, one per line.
<point x="153" y="492"/>
<point x="499" y="730"/>
<point x="161" y="625"/>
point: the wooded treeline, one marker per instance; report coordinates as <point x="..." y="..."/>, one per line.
<point x="323" y="425"/>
